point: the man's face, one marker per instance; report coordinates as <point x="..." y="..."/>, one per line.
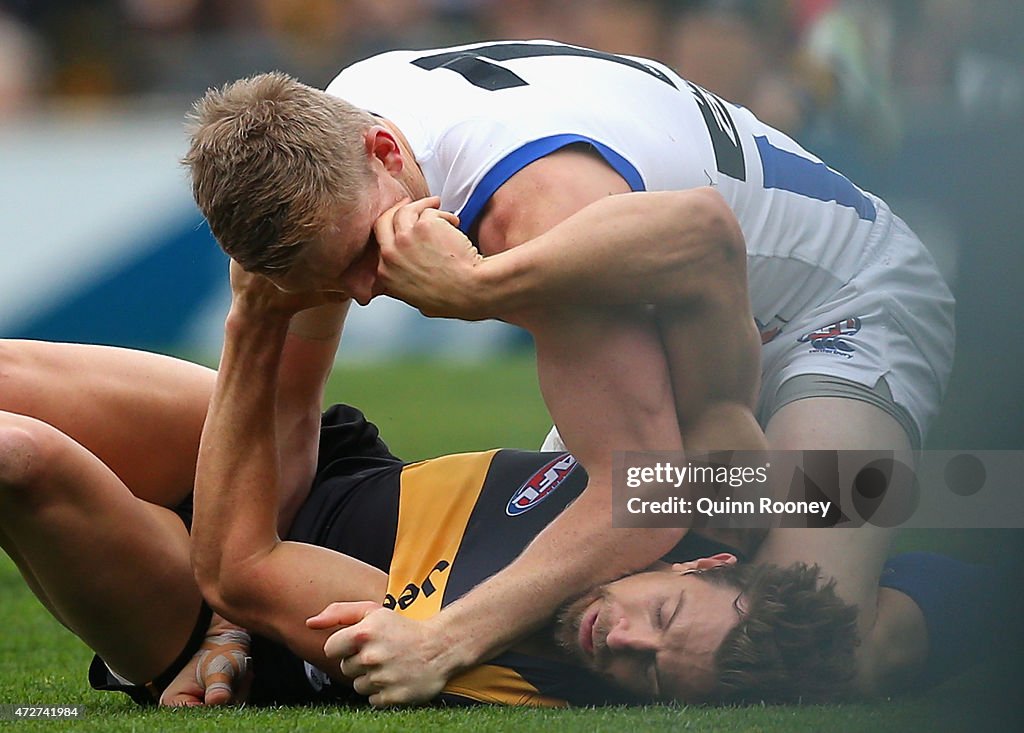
<point x="654" y="633"/>
<point x="345" y="256"/>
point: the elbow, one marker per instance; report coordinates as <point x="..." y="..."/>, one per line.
<point x="721" y="249"/>
<point x="206" y="569"/>
<point x="722" y="230"/>
<point x="221" y="587"/>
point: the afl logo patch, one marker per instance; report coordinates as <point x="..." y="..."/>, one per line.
<point x="541" y="485"/>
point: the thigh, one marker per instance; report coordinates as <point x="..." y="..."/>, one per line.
<point x="139" y="413"/>
<point x="854" y="557"/>
<point x="114" y="569"/>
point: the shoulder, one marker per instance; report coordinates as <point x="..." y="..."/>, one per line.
<point x="543" y="194"/>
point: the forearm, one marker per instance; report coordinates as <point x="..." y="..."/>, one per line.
<point x="650" y="247"/>
<point x="237" y="476"/>
<point x="306" y="362"/>
<point x="309" y="351"/>
<point x="591" y="364"/>
<point x="578" y="551"/>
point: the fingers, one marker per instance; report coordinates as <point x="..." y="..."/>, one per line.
<point x="356" y="670"/>
<point x="350" y="639"/>
<point x="380" y="693"/>
<point x="223" y="662"/>
<point x="410" y="213"/>
<point x="183" y="698"/>
<point x="345" y="643"/>
<point x="405" y="214"/>
<point x="218" y="694"/>
<point x="384" y="227"/>
<point x="342" y="614"/>
<point x="448" y="217"/>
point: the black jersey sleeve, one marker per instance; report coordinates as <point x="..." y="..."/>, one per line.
<point x="347" y="436"/>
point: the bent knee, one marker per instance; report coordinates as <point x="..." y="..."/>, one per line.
<point x="28" y="453"/>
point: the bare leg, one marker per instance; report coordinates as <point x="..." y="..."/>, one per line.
<point x="854" y="557"/>
<point x="26" y="574"/>
<point x="139" y="413"/>
<point x="112" y="568"/>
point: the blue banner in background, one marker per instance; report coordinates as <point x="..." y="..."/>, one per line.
<point x="103" y="244"/>
<point x="157" y="299"/>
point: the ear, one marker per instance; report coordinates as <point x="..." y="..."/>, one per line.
<point x="705" y="563"/>
<point x="382" y="146"/>
<point x="684" y="567"/>
<point x="723" y="558"/>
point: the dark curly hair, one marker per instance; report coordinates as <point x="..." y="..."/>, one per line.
<point x="796" y="639"/>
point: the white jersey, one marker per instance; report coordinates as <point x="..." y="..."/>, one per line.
<point x="839" y="286"/>
<point x="475" y="115"/>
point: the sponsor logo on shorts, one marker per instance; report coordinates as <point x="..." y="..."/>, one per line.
<point x="832" y="339"/>
<point x="541" y="485"/>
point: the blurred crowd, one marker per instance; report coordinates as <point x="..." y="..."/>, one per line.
<point x="811" y="67"/>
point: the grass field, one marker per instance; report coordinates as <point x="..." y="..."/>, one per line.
<point x="425" y="409"/>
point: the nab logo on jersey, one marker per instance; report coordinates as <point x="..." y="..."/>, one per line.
<point x="540" y="485"/>
<point x="832" y="338"/>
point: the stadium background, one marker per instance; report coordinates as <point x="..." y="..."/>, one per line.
<point x="919" y="101"/>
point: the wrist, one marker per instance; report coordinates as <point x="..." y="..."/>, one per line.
<point x="453" y="652"/>
<point x="492" y="287"/>
<point x="245" y="316"/>
<point x="322" y="323"/>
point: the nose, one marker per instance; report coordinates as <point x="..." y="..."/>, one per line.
<point x="625" y="636"/>
<point x="360" y="280"/>
<point x="361" y="291"/>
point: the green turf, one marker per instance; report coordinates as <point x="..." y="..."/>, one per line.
<point x="423" y="410"/>
<point x="426" y="408"/>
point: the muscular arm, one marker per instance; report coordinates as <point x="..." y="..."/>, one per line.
<point x="603" y="371"/>
<point x="605" y="246"/>
<point x="606" y="380"/>
<point x="632" y="248"/>
<point x="243" y="568"/>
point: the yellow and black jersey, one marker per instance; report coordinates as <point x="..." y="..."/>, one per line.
<point x="438" y="528"/>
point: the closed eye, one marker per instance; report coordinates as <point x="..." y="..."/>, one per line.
<point x="679" y="607"/>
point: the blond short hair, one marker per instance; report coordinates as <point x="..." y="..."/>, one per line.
<point x="270" y="160"/>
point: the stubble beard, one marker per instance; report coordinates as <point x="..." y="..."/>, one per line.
<point x="567" y="625"/>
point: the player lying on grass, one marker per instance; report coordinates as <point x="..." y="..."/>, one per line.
<point x="462" y="508"/>
<point x="244" y="570"/>
<point x="95" y="442"/>
<point x="594" y="184"/>
<point x="82" y="424"/>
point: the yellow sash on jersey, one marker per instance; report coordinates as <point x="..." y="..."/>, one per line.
<point x="437" y="499"/>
